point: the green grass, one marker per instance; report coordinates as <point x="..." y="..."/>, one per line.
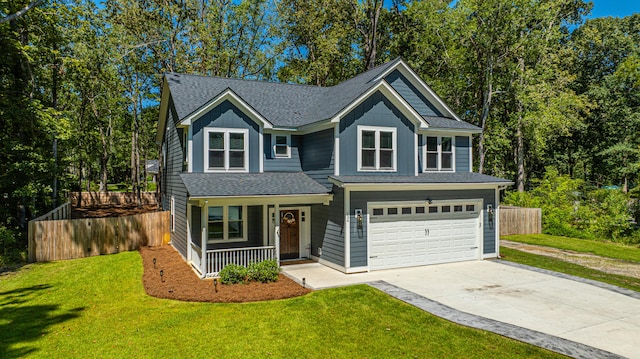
<point x="97" y="308"/>
<point x="604" y="249"/>
<point x="558" y="265"/>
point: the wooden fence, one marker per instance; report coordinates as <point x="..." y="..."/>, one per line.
<point x="519" y="220"/>
<point x="110" y="198"/>
<point x="78" y="238"/>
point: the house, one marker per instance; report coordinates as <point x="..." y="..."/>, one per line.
<point x="370" y="174"/>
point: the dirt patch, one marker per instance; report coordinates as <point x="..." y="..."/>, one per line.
<point x="603" y="264"/>
<point x="111" y="210"/>
<point x="179" y="282"/>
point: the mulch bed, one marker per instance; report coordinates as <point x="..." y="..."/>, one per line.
<point x="111" y="210"/>
<point x="179" y="282"/>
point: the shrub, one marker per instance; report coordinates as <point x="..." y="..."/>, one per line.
<point x="233" y="274"/>
<point x="9" y="253"/>
<point x="265" y="271"/>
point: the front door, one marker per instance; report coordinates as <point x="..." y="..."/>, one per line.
<point x="289" y="234"/>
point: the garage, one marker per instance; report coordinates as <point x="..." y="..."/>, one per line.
<point x="410" y="234"/>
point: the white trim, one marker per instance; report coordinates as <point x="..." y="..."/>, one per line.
<point x="336" y="149"/>
<point x="416" y="155"/>
<point x="470" y="153"/>
<point x="225" y="224"/>
<point x="163" y="111"/>
<point x="392" y="95"/>
<point x="440" y="153"/>
<point x="496" y="220"/>
<point x="226" y="132"/>
<point x="189" y="232"/>
<point x="413" y="186"/>
<point x="261" y="144"/>
<point x="274" y="137"/>
<point x="229" y="95"/>
<point x="190" y="149"/>
<point x="377" y="130"/>
<point x="347" y="228"/>
<point x="173" y="214"/>
<point x="268" y="199"/>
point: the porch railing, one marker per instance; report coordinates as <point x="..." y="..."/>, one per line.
<point x="219" y="258"/>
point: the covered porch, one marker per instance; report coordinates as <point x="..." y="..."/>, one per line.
<point x="247" y="226"/>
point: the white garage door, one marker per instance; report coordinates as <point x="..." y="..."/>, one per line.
<point x="405" y="234"/>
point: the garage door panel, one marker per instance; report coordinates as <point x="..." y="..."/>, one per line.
<point x="395" y="242"/>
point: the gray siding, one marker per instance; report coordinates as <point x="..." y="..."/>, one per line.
<point x="411" y="94"/>
<point x="172" y="184"/>
<point x="360" y="200"/>
<point x="462" y="154"/>
<point x="327" y="229"/>
<point x="272" y="164"/>
<point x="316" y="156"/>
<point x="358" y="241"/>
<point x="196" y="225"/>
<point x="377" y="111"/>
<point x="225" y="115"/>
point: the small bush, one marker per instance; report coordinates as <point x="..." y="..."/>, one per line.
<point x="233" y="274"/>
<point x="9" y="252"/>
<point x="264" y="272"/>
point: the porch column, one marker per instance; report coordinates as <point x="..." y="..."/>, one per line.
<point x="277" y="232"/>
<point x="203" y="245"/>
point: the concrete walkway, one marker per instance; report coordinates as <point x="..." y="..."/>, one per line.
<point x="550" y="311"/>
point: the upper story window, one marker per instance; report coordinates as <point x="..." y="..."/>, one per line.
<point x="226" y="150"/>
<point x="439" y="153"/>
<point x="377" y="148"/>
<point x="281" y="145"/>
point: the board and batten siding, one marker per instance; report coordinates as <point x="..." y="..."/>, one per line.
<point x="462" y="154"/>
<point x="273" y="164"/>
<point x="359" y="200"/>
<point x="327" y="229"/>
<point x="225" y="115"/>
<point x="377" y="111"/>
<point x="172" y="185"/>
<point x="411" y="94"/>
<point x="316" y="156"/>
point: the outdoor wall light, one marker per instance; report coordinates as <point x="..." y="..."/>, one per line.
<point x="429" y="200"/>
<point x="161" y="275"/>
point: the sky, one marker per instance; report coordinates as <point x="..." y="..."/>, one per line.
<point x="616" y="8"/>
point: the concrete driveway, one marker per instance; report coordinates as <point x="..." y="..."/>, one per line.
<point x="560" y="307"/>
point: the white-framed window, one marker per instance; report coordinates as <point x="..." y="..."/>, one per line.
<point x="377" y="148"/>
<point x="226" y="150"/>
<point x="226" y="224"/>
<point x="439" y="153"/>
<point x="173" y="214"/>
<point x="281" y="145"/>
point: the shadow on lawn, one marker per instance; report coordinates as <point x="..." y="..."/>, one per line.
<point x="21" y="323"/>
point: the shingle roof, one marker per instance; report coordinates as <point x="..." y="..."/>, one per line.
<point x="250" y="184"/>
<point x="426" y="178"/>
<point x="285" y="105"/>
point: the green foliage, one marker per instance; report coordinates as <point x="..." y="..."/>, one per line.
<point x="264" y="272"/>
<point x="233" y="274"/>
<point x="9" y="251"/>
<point x="572" y="209"/>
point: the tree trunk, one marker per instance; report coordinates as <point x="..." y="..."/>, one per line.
<point x="520" y="178"/>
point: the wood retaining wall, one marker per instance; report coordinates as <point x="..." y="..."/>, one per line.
<point x="88" y="199"/>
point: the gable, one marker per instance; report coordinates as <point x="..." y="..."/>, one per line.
<point x="412" y="95"/>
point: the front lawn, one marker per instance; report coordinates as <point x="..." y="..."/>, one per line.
<point x="604" y="249"/>
<point x="96" y="307"/>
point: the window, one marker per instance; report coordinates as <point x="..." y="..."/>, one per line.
<point x="392" y="211"/>
<point x="419" y="210"/>
<point x="378" y="211"/>
<point x="406" y="210"/>
<point x="446" y="209"/>
<point x="226" y="150"/>
<point x="457" y="208"/>
<point x="471" y="208"/>
<point x="376" y="148"/>
<point x="281" y="146"/>
<point x="439" y="153"/>
<point x="433" y="209"/>
<point x="226" y="224"/>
